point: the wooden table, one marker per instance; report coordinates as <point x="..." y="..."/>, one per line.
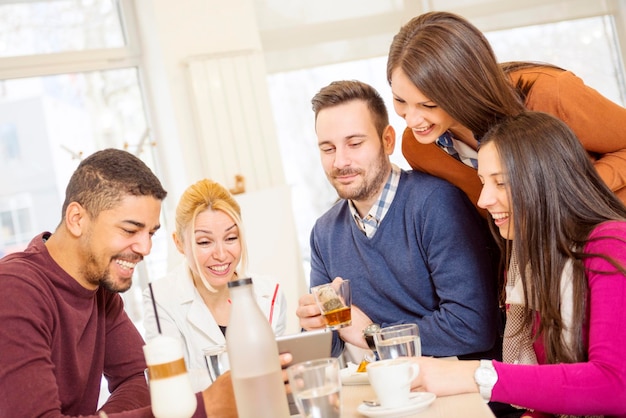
<point x="469" y="405"/>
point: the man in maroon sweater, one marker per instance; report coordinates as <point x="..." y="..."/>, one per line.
<point x="62" y="321"/>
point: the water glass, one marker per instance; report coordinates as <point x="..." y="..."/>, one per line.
<point x="316" y="388"/>
<point x="398" y="341"/>
<point x="216" y="360"/>
<point x="335" y="303"/>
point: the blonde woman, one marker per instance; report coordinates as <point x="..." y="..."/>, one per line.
<point x="193" y="301"/>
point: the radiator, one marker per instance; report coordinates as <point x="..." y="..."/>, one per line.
<point x="233" y="118"/>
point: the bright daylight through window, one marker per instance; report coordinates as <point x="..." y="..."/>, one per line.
<point x="81" y="94"/>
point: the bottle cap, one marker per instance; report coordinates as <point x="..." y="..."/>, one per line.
<point x="240" y="282"/>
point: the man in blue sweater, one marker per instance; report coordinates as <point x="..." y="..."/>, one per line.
<point x="412" y="245"/>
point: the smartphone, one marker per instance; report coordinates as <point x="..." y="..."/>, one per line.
<point x="307" y="345"/>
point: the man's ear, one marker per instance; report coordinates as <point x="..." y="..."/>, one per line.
<point x="389" y="139"/>
<point x="76" y="218"/>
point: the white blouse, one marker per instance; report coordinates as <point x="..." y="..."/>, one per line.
<point x="183" y="314"/>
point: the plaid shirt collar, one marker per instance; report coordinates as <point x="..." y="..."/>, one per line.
<point x="369" y="224"/>
<point x="457" y="149"/>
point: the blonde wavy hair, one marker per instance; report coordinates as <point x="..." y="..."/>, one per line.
<point x="208" y="195"/>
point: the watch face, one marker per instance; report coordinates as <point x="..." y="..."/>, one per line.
<point x="371" y="329"/>
<point x="486" y="376"/>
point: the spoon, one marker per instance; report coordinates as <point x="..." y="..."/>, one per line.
<point x="370" y="402"/>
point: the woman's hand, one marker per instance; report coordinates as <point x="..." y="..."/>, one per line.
<point x="219" y="398"/>
<point x="445" y="377"/>
<point x="285" y="361"/>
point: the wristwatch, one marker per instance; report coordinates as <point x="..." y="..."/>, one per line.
<point x="485" y="377"/>
<point x="368" y="334"/>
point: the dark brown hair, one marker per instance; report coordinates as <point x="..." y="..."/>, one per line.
<point x="522" y="87"/>
<point x="451" y="62"/>
<point x="340" y="92"/>
<point x="557" y="200"/>
<point x="105" y="177"/>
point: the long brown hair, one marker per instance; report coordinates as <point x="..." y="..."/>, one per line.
<point x="523" y="86"/>
<point x="557" y="200"/>
<point x="451" y="62"/>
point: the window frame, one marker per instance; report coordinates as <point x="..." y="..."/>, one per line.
<point x="81" y="61"/>
<point x="128" y="56"/>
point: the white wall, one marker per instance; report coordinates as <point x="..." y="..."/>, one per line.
<point x="172" y="33"/>
<point x="182" y="41"/>
<point x="270" y="232"/>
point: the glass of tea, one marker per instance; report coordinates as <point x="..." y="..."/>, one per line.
<point x="334" y="300"/>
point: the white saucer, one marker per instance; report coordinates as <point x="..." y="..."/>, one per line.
<point x="349" y="376"/>
<point x="418" y="402"/>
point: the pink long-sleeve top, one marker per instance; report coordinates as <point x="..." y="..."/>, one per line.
<point x="597" y="386"/>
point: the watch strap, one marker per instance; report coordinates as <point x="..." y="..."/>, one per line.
<point x="369" y="339"/>
<point x="486" y="378"/>
<point x="368" y="335"/>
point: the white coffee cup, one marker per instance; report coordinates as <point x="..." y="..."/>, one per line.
<point x="391" y="380"/>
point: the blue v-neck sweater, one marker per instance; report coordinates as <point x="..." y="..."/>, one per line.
<point x="428" y="263"/>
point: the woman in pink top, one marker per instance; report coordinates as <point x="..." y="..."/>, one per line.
<point x="563" y="237"/>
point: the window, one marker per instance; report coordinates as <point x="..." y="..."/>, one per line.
<point x="16" y="222"/>
<point x="46" y="27"/>
<point x="69" y="86"/>
<point x="588" y="47"/>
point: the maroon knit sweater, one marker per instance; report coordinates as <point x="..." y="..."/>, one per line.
<point x="57" y="339"/>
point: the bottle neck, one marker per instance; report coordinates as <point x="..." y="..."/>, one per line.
<point x="241" y="292"/>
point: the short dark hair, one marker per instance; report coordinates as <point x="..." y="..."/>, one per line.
<point x="340" y="92"/>
<point x="101" y="181"/>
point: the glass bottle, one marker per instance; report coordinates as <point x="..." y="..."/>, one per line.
<point x="253" y="355"/>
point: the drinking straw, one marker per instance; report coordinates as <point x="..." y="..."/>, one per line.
<point x="156" y="315"/>
<point x="273" y="302"/>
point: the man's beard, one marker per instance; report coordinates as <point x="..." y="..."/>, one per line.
<point x="111" y="286"/>
<point x="103" y="278"/>
<point x="368" y="188"/>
